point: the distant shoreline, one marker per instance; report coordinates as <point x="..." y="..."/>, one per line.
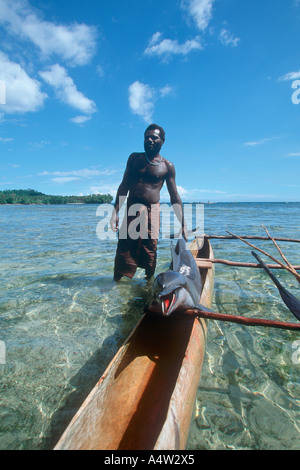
<point x="163" y="202"/>
<point x="51" y="204"/>
<point x="32" y="197"/>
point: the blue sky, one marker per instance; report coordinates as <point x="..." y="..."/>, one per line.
<point x="82" y="80"/>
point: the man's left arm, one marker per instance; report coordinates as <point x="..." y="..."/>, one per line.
<point x="175" y="198"/>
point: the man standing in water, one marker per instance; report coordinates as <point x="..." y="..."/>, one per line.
<point x="143" y="179"/>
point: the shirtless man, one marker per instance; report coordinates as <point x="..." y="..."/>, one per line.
<point x="143" y="179"/>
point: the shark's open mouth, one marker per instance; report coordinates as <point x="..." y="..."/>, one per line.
<point x="178" y="288"/>
<point x="167" y="302"/>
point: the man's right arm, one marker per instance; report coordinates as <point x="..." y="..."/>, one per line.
<point x="120" y="197"/>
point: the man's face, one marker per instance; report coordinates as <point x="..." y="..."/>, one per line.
<point x="153" y="142"/>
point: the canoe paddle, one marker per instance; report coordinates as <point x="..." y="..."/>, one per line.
<point x="289" y="299"/>
<point x="203" y="312"/>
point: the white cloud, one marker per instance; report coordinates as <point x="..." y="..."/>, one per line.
<point x="166" y="91"/>
<point x="141" y="100"/>
<point x="194" y="194"/>
<point x="105" y="189"/>
<point x="255" y="143"/>
<point x="182" y="192"/>
<point x="62" y="180"/>
<point x="227" y="38"/>
<point x="292" y="155"/>
<point x="200" y="10"/>
<point x="23" y="93"/>
<point x="39" y="145"/>
<point x="83" y="173"/>
<point x="80" y="119"/>
<point x="66" y="90"/>
<point x="74" y="43"/>
<point x="100" y="71"/>
<point x="260" y="142"/>
<point x="167" y="47"/>
<point x="291" y="76"/>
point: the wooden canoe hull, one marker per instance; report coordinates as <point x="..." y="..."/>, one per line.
<point x="146" y="396"/>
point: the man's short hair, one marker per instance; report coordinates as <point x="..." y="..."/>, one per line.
<point x="152" y="127"/>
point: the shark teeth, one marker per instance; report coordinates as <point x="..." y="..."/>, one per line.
<point x="167" y="303"/>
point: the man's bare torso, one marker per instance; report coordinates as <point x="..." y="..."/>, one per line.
<point x="146" y="179"/>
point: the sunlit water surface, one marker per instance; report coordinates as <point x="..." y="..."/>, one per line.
<point x="62" y="319"/>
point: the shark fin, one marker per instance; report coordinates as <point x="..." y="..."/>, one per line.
<point x="175" y="256"/>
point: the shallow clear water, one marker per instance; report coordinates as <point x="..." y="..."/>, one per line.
<point x="62" y="318"/>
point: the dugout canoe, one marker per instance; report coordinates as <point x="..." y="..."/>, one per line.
<point x="145" y="398"/>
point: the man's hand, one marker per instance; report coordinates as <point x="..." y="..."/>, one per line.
<point x="114" y="221"/>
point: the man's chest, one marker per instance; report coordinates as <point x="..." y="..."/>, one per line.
<point x="149" y="172"/>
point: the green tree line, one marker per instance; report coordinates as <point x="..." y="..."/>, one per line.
<point x="30" y="196"/>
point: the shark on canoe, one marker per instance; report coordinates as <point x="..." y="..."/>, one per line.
<point x="289" y="299"/>
<point x="180" y="287"/>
